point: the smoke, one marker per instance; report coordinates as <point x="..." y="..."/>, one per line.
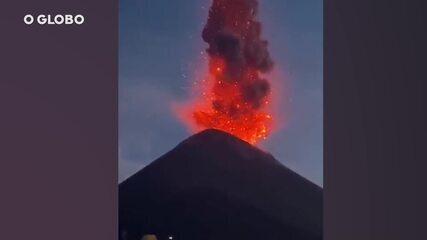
<point x="234" y="35"/>
<point x="237" y="96"/>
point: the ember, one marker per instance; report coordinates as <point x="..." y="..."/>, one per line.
<point x="234" y="97"/>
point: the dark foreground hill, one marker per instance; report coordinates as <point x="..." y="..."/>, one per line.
<point x="214" y="186"/>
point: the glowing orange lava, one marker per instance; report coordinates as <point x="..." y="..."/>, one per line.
<point x="234" y="97"/>
<point x="236" y="116"/>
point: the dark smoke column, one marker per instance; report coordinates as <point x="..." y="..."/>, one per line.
<point x="237" y="55"/>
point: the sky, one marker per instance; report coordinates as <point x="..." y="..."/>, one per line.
<point x="159" y="57"/>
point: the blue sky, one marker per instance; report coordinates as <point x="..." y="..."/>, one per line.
<point x="159" y="50"/>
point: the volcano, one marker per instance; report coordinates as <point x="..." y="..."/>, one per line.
<point x="214" y="186"/>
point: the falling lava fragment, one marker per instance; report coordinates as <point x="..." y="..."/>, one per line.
<point x="235" y="97"/>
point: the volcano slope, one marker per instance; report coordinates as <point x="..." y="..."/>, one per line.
<point x="216" y="186"/>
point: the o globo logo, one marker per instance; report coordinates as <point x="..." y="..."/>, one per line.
<point x="58" y="19"/>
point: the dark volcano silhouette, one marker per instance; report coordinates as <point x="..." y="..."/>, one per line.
<point x="216" y="186"/>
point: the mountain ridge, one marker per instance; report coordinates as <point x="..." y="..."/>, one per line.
<point x="222" y="166"/>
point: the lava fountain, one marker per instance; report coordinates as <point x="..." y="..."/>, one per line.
<point x="234" y="96"/>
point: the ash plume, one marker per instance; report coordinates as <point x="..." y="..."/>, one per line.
<point x="234" y="36"/>
<point x="235" y="97"/>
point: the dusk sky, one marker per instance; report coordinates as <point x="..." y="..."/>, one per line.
<point x="159" y="54"/>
